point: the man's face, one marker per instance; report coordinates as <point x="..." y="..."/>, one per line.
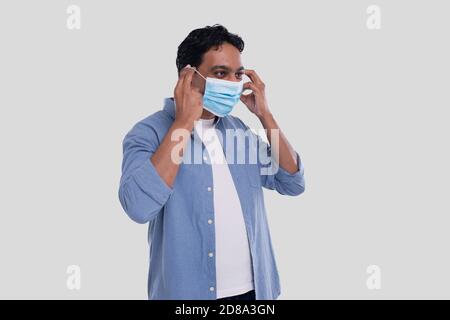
<point x="223" y="62"/>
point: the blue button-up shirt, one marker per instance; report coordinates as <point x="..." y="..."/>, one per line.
<point x="181" y="221"/>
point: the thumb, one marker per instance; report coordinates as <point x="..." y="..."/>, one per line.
<point x="244" y="98"/>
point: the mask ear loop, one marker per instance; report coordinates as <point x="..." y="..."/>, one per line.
<point x="198" y="73"/>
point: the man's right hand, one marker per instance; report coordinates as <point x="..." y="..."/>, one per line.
<point x="188" y="109"/>
<point x="188" y="99"/>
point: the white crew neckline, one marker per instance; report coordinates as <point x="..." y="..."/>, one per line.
<point x="205" y="123"/>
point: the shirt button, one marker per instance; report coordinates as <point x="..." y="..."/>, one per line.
<point x="205" y="158"/>
<point x="209" y="189"/>
<point x="211" y="288"/>
<point x="210" y="254"/>
<point x="210" y="221"/>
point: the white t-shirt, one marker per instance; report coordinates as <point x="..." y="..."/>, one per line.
<point x="234" y="273"/>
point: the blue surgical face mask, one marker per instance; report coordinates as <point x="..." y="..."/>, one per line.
<point x="221" y="96"/>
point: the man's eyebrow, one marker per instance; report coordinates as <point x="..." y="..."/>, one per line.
<point x="220" y="67"/>
<point x="224" y="67"/>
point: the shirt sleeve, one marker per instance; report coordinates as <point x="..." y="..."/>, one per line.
<point x="273" y="176"/>
<point x="142" y="191"/>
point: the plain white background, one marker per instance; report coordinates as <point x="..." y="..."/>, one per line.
<point x="366" y="109"/>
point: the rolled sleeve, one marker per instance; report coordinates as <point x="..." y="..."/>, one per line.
<point x="142" y="191"/>
<point x="291" y="183"/>
<point x="285" y="176"/>
<point x="151" y="183"/>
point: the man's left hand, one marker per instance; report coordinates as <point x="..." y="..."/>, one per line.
<point x="256" y="101"/>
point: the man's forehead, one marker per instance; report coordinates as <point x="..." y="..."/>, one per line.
<point x="224" y="55"/>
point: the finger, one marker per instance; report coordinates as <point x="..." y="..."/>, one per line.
<point x="249" y="86"/>
<point x="198" y="82"/>
<point x="188" y="79"/>
<point x="182" y="76"/>
<point x="244" y="98"/>
<point x="183" y="72"/>
<point x="252" y="75"/>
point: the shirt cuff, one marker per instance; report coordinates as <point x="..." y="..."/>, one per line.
<point x="285" y="176"/>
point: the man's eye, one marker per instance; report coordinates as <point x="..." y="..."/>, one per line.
<point x="239" y="75"/>
<point x="220" y="74"/>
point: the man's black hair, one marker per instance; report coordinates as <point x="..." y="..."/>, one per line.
<point x="199" y="41"/>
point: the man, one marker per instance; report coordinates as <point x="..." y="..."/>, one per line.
<point x="208" y="231"/>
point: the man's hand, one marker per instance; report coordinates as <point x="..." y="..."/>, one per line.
<point x="189" y="107"/>
<point x="188" y="99"/>
<point x="256" y="101"/>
